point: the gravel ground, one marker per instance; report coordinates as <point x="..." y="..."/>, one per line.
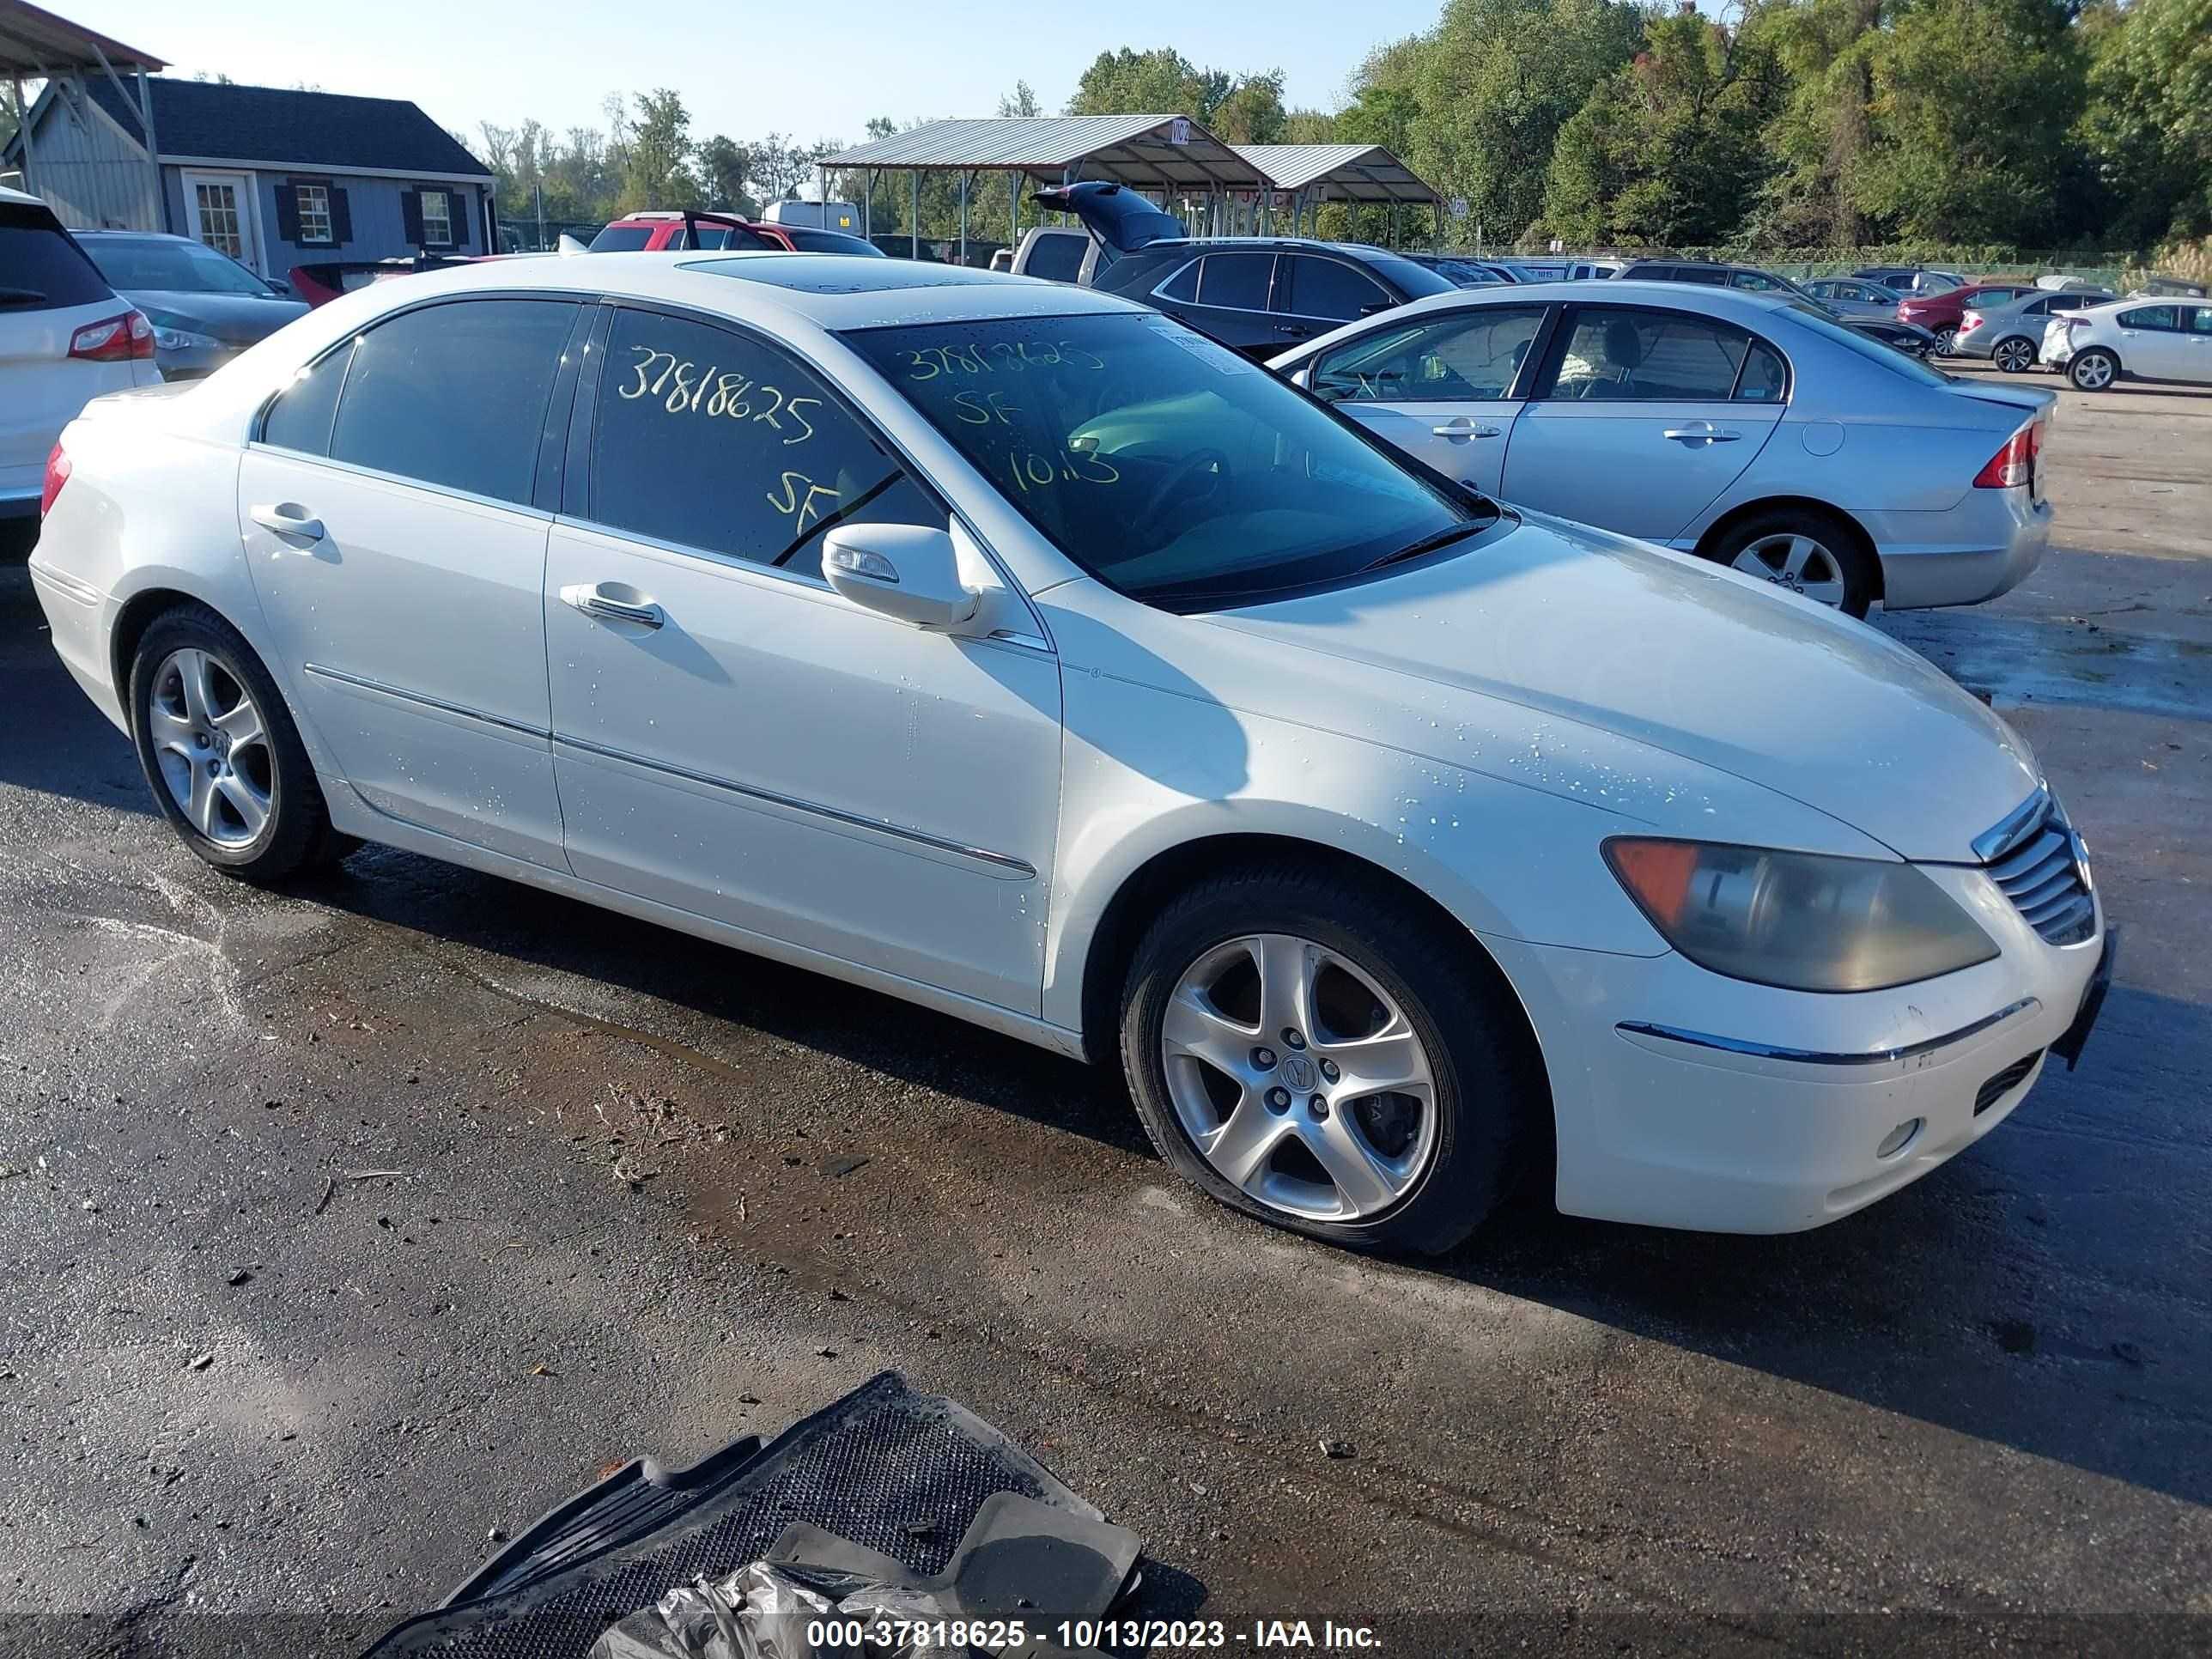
<point x="322" y="1271"/>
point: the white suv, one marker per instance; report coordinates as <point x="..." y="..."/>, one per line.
<point x="64" y="339"/>
<point x="2149" y="338"/>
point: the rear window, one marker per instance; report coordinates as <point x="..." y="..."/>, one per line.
<point x="1888" y="356"/>
<point x="1415" y="281"/>
<point x="622" y="239"/>
<point x="1056" y="259"/>
<point x="41" y="269"/>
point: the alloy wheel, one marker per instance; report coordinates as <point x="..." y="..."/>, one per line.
<point x="1299" y="1079"/>
<point x="1798" y="562"/>
<point x="2092" y="371"/>
<point x="1946" y="339"/>
<point x="2014" y="356"/>
<point x="212" y="745"/>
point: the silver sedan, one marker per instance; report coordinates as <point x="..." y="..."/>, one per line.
<point x="2011" y="336"/>
<point x="1746" y="429"/>
<point x="1857" y="301"/>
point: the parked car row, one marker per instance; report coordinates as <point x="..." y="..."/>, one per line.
<point x="1008" y="647"/>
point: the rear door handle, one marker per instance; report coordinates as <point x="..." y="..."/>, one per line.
<point x="594" y="600"/>
<point x="1465" y="428"/>
<point x="287" y="518"/>
<point x="1700" y="435"/>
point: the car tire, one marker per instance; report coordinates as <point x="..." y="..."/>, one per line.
<point x="2093" y="370"/>
<point x="1814" y="554"/>
<point x="1416" y="1171"/>
<point x="2014" y="355"/>
<point x="1947" y="341"/>
<point x="221" y="752"/>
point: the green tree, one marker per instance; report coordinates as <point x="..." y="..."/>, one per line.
<point x="657" y="159"/>
<point x="724" y="167"/>
<point x="1495" y="83"/>
<point x="2148" y="124"/>
<point x="1973" y="103"/>
<point x="1668" y="150"/>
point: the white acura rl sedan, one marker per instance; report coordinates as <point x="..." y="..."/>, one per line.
<point x="888" y="620"/>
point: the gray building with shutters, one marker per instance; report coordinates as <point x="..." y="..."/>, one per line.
<point x="274" y="178"/>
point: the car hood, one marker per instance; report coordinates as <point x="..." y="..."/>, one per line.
<point x="1690" y="659"/>
<point x="238" y="319"/>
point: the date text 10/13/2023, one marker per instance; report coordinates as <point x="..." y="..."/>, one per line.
<point x="1123" y="1634"/>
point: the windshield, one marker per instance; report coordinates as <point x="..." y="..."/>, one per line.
<point x="1168" y="467"/>
<point x="1881" y="351"/>
<point x="622" y="239"/>
<point x="133" y="262"/>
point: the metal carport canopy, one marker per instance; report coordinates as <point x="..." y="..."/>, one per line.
<point x="1131" y="149"/>
<point x="1343" y="173"/>
<point x="35" y="44"/>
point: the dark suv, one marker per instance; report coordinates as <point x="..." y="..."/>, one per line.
<point x="1256" y="294"/>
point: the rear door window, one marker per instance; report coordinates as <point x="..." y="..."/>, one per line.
<point x="1656" y="357"/>
<point x="1327" y="289"/>
<point x="41" y="267"/>
<point x="455" y="394"/>
<point x="717" y="440"/>
<point x="1238" y="281"/>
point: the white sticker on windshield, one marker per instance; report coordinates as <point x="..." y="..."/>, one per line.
<point x="1217" y="357"/>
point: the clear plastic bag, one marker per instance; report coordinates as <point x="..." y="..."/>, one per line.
<point x="758" y="1612"/>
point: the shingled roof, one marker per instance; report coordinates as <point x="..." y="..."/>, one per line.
<point x="218" y="121"/>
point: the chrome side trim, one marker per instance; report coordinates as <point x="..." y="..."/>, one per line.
<point x="1813" y="1057"/>
<point x="2014" y="826"/>
<point x="793" y="803"/>
<point x="438" y="703"/>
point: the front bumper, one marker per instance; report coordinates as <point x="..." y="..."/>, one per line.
<point x="1683" y="1099"/>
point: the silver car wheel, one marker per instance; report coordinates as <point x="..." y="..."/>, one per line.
<point x="1946" y="340"/>
<point x="1299" y="1079"/>
<point x="1797" y="562"/>
<point x="2014" y="356"/>
<point x="212" y="746"/>
<point x="2092" y="371"/>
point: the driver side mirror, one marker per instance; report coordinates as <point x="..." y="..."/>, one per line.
<point x="906" y="571"/>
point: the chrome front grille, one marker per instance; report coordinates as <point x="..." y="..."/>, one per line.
<point x="2036" y="859"/>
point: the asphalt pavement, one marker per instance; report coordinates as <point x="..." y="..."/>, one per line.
<point x="351" y="1225"/>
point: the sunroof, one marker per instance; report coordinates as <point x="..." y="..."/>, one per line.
<point x="839" y="273"/>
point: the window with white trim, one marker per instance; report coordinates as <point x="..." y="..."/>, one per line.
<point x="438" y="218"/>
<point x="314" y="208"/>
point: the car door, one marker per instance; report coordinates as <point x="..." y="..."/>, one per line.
<point x="1444" y="387"/>
<point x="388" y="507"/>
<point x="2197" y="349"/>
<point x="1314" y="293"/>
<point x="1641" y="416"/>
<point x="1225" y="296"/>
<point x="734" y="739"/>
<point x="2152" y="342"/>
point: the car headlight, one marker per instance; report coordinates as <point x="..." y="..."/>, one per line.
<point x="175" y="333"/>
<point x="1803" y="920"/>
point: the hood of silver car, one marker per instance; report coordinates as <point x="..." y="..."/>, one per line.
<point x="1693" y="659"/>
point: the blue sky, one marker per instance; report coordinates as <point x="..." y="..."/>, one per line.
<point x="744" y="68"/>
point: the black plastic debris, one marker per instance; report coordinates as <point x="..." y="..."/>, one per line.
<point x="904" y="1477"/>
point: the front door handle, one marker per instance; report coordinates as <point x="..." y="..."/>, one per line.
<point x="1700" y="435"/>
<point x="1465" y="428"/>
<point x="595" y="600"/>
<point x="287" y="518"/>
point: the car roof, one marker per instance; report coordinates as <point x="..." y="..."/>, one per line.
<point x="20" y="199"/>
<point x="832" y="290"/>
<point x="134" y="235"/>
<point x="1617" y="290"/>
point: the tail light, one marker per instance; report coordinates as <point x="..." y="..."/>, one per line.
<point x="57" y="474"/>
<point x="2014" y="464"/>
<point x="1969" y="321"/>
<point x="114" y="339"/>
